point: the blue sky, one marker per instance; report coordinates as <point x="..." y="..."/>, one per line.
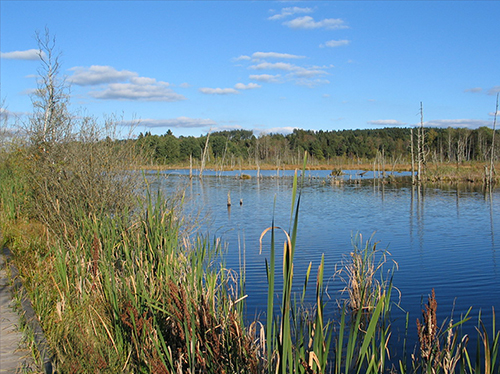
<point x="264" y="66"/>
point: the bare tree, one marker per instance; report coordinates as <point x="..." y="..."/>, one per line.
<point x="50" y="122"/>
<point x="492" y="159"/>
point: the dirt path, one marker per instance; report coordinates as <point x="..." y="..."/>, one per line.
<point x="12" y="358"/>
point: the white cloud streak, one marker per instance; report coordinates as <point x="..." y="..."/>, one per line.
<point x="473" y="90"/>
<point x="467" y="123"/>
<point x="249" y="86"/>
<point x="494" y="90"/>
<point x="242" y="58"/>
<point x="179" y="122"/>
<point x="264" y="55"/>
<point x="268" y="78"/>
<point x="285" y="12"/>
<point x="30" y="55"/>
<point x="218" y="91"/>
<point x="335" y="43"/>
<point x="386" y="122"/>
<point x="294" y="70"/>
<point x="307" y="22"/>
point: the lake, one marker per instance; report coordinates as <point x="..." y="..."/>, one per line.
<point x="443" y="238"/>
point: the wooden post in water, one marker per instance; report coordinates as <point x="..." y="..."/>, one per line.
<point x="383" y="163"/>
<point x="228" y="198"/>
<point x="412" y="158"/>
<point x="191" y="166"/>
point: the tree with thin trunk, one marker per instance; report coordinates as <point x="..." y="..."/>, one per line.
<point x="51" y="121"/>
<point x="492" y="158"/>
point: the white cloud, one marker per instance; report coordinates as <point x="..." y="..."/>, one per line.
<point x="307" y="22"/>
<point x="264" y="55"/>
<point x="184" y="85"/>
<point x="285" y="12"/>
<point x="242" y="58"/>
<point x="335" y="43"/>
<point x="249" y="86"/>
<point x="140" y="89"/>
<point x="387" y="122"/>
<point x="122" y="85"/>
<point x="468" y="123"/>
<point x="274" y="66"/>
<point x="473" y="90"/>
<point x="218" y="91"/>
<point x="494" y="90"/>
<point x="97" y="74"/>
<point x="301" y="72"/>
<point x="144" y="81"/>
<point x="179" y="122"/>
<point x="295" y="71"/>
<point x="493" y="113"/>
<point x="266" y="78"/>
<point x="30" y="54"/>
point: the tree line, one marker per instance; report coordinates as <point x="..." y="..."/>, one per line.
<point x="393" y="143"/>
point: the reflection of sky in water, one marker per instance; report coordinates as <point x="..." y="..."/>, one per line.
<point x="441" y="239"/>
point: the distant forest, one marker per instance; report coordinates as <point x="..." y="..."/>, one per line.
<point x="394" y="144"/>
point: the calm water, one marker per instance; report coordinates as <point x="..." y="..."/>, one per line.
<point x="446" y="239"/>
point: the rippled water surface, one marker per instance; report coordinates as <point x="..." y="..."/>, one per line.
<point x="442" y="238"/>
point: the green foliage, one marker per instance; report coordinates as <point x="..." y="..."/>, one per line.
<point x="441" y="144"/>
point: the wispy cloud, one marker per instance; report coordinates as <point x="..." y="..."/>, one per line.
<point x="294" y="70"/>
<point x="307" y="22"/>
<point x="335" y="43"/>
<point x="179" y="122"/>
<point x="467" y="123"/>
<point x="30" y="54"/>
<point x="386" y="122"/>
<point x="274" y="66"/>
<point x="249" y="86"/>
<point x="264" y="55"/>
<point x="97" y="74"/>
<point x="311" y="82"/>
<point x="285" y="12"/>
<point x="218" y="91"/>
<point x="268" y="78"/>
<point x="242" y="58"/>
<point x="494" y="90"/>
<point x="314" y="71"/>
<point x="473" y="90"/>
<point x="229" y="91"/>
